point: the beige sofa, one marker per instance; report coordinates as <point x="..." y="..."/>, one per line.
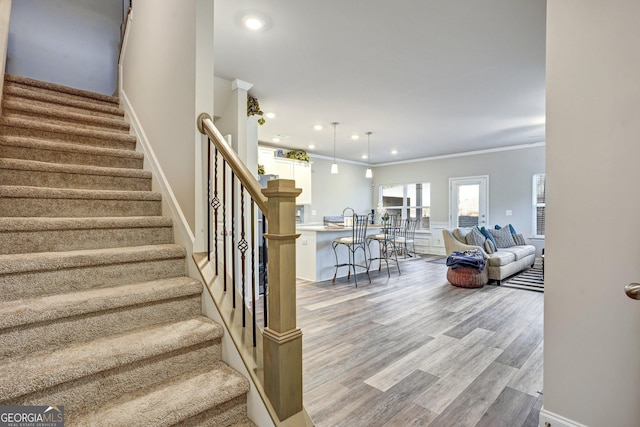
<point x="502" y="263"/>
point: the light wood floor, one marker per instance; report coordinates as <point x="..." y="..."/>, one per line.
<point x="413" y="350"/>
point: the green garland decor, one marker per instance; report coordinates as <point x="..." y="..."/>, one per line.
<point x="298" y="155"/>
<point x="253" y="109"/>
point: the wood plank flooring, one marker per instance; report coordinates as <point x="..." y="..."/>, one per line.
<point x="412" y="350"/>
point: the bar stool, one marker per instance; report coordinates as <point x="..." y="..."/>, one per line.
<point x="408" y="234"/>
<point x="356" y="241"/>
<point x="388" y="242"/>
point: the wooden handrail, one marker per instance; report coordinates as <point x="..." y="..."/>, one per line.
<point x="206" y="127"/>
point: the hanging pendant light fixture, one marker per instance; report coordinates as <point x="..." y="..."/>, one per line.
<point x="369" y="172"/>
<point x="334" y="166"/>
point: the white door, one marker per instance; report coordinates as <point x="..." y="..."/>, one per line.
<point x="468" y="201"/>
<point x="592" y="244"/>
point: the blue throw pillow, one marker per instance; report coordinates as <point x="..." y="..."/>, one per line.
<point x="497" y="227"/>
<point x="489" y="236"/>
<point x="513" y="230"/>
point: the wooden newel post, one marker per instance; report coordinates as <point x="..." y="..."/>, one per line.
<point x="282" y="339"/>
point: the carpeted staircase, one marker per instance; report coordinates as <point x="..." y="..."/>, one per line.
<point x="96" y="312"/>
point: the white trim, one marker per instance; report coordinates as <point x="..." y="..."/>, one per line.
<point x="180" y="222"/>
<point x="241" y="84"/>
<point x="422" y="159"/>
<point x="556" y="420"/>
<point x="464" y="154"/>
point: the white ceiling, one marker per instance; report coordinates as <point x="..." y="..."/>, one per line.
<point x="427" y="77"/>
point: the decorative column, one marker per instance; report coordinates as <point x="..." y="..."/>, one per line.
<point x="282" y="340"/>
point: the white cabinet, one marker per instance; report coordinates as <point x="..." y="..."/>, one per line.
<point x="265" y="158"/>
<point x="285" y="168"/>
<point x="282" y="167"/>
<point x="302" y="175"/>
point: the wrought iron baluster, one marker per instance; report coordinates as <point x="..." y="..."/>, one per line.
<point x="242" y="246"/>
<point x="224" y="223"/>
<point x="215" y="203"/>
<point x="265" y="261"/>
<point x="253" y="269"/>
<point x="209" y="201"/>
<point x="233" y="236"/>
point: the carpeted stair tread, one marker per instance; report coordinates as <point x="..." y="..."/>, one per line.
<point x="26" y="375"/>
<point x="55" y="87"/>
<point x="45" y="174"/>
<point x="34" y="165"/>
<point x="44" y="261"/>
<point x="44" y="112"/>
<point x="42" y="234"/>
<point x="70" y="202"/>
<point x="16" y="191"/>
<point x="173" y="402"/>
<point x="48" y="308"/>
<point x="244" y="422"/>
<point x="68" y="132"/>
<point x="96" y="155"/>
<point x="87" y="105"/>
<point x="31" y="173"/>
<point x="91" y="223"/>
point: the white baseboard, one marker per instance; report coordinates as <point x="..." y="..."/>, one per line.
<point x="549" y="419"/>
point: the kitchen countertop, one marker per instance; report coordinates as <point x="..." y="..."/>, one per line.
<point x="324" y="228"/>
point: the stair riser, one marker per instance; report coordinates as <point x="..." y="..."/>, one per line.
<point x="56" y="119"/>
<point x="222" y="415"/>
<point x="69" y="157"/>
<point x="85" y="393"/>
<point x="80" y="139"/>
<point x="108" y="112"/>
<point x="62" y="96"/>
<point x="76" y="208"/>
<point x="51" y="179"/>
<point x="22" y="340"/>
<point x="41" y="283"/>
<point x="20" y="242"/>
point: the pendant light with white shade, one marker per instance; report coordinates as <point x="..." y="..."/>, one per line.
<point x="334" y="166"/>
<point x="369" y="172"/>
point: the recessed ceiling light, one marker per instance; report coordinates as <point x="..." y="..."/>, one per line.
<point x="311" y="146"/>
<point x="317" y="127"/>
<point x="253" y="22"/>
<point x="355" y="136"/>
<point x="394" y="151"/>
<point x="270" y="115"/>
<point x="364" y="156"/>
<point x="275" y="139"/>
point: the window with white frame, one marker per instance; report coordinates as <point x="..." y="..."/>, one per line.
<point x="407" y="200"/>
<point x="538" y="204"/>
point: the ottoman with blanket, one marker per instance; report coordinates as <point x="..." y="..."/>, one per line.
<point x="467" y="269"/>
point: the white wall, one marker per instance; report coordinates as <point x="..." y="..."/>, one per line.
<point x="167" y="90"/>
<point x="510" y="183"/>
<point x="331" y="193"/>
<point x="591" y="328"/>
<point x="70" y="42"/>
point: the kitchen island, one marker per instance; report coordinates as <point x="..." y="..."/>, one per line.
<point x="315" y="259"/>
